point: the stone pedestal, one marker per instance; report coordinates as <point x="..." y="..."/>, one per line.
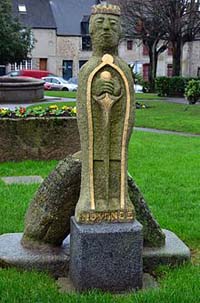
<point x="106" y="256"/>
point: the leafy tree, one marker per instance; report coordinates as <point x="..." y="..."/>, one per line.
<point x="15" y="41"/>
<point x="141" y="22"/>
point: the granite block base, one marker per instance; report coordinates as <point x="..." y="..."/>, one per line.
<point x="52" y="260"/>
<point x="106" y="256"/>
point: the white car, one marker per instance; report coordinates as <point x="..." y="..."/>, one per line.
<point x="58" y="83"/>
<point x="138" y="88"/>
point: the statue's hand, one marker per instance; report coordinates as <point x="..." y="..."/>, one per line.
<point x="104" y="87"/>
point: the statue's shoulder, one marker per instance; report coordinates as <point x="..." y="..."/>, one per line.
<point x="88" y="67"/>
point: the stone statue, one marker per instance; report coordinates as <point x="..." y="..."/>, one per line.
<point x="106" y="240"/>
<point x="105" y="117"/>
<point x="105" y="103"/>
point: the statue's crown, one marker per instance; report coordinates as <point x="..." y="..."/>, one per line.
<point x="106" y="9"/>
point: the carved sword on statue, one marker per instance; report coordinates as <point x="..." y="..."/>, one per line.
<point x="106" y="102"/>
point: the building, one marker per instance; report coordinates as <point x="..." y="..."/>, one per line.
<point x="73" y="41"/>
<point x="60" y="29"/>
<point x="63" y="45"/>
<point x="38" y="15"/>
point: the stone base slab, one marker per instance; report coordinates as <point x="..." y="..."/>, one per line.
<point x="106" y="256"/>
<point x="54" y="261"/>
<point x="174" y="252"/>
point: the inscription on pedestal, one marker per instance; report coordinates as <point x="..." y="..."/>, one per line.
<point x="108" y="216"/>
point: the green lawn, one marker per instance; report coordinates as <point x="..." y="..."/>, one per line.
<point x="166" y="168"/>
<point x="64" y="94"/>
<point x="169" y="116"/>
<point x="61" y="94"/>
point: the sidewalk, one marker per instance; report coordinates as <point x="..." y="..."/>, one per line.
<point x="165" y="132"/>
<point x="47" y="99"/>
<point x="171" y="100"/>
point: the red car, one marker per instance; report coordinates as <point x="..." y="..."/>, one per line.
<point x="33" y="73"/>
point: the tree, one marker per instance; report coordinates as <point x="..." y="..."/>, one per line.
<point x="141" y="22"/>
<point x="15" y="41"/>
<point x="180" y="20"/>
<point x="170" y="21"/>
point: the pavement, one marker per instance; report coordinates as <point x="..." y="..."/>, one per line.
<point x="165" y="132"/>
<point x="47" y="99"/>
<point x="171" y="100"/>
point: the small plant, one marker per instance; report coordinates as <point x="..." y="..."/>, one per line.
<point x="38" y="111"/>
<point x="141" y="105"/>
<point x="192" y="91"/>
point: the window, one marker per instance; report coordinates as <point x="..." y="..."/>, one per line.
<point x="86" y="43"/>
<point x="169" y="70"/>
<point x="14" y="74"/>
<point x="85" y="25"/>
<point x="55" y="81"/>
<point x="67" y="69"/>
<point x="22" y="8"/>
<point x="146" y="72"/>
<point x="25" y="64"/>
<point x="145" y="51"/>
<point x="81" y="63"/>
<point x="129" y="44"/>
<point x="198" y="72"/>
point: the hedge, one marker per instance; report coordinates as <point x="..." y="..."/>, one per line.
<point x="172" y="87"/>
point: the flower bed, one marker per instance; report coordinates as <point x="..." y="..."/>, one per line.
<point x="38" y="111"/>
<point x="35" y="135"/>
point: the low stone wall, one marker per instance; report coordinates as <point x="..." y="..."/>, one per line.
<point x="38" y="138"/>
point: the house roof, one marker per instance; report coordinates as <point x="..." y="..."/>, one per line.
<point x="68" y="15"/>
<point x="38" y="13"/>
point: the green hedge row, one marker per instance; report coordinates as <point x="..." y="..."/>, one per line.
<point x="174" y="86"/>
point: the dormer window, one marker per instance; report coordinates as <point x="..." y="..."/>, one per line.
<point x="22" y="8"/>
<point x="85" y="25"/>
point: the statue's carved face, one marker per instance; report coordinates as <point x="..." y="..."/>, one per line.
<point x="105" y="31"/>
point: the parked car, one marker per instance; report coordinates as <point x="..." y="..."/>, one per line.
<point x="58" y="83"/>
<point x="138" y="88"/>
<point x="33" y="73"/>
<point x="73" y="80"/>
<point x="47" y="86"/>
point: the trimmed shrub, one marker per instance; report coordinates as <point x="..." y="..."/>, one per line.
<point x="174" y="86"/>
<point x="192" y="91"/>
<point x="177" y="86"/>
<point x="162" y="86"/>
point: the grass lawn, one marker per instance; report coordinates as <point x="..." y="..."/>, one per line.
<point x="166" y="168"/>
<point x="61" y="94"/>
<point x="64" y="94"/>
<point x="169" y="116"/>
